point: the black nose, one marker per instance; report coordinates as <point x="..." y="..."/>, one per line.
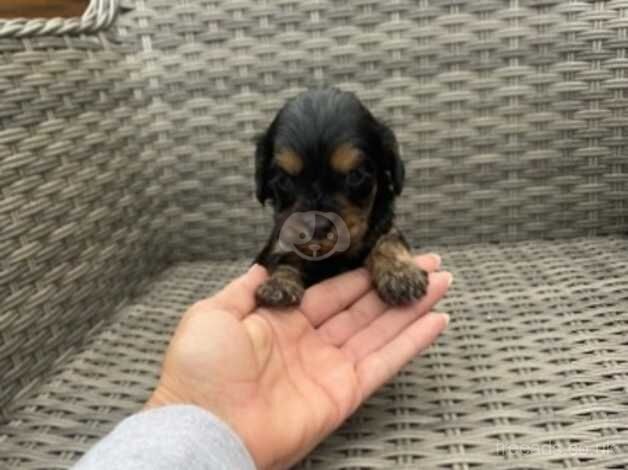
<point x="322" y="226"/>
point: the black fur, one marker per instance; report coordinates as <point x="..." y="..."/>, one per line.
<point x="313" y="125"/>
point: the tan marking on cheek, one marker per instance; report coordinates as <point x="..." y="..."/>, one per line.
<point x="345" y="158"/>
<point x="356" y="218"/>
<point x="289" y="162"/>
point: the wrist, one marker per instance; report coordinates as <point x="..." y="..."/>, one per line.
<point x="161" y="396"/>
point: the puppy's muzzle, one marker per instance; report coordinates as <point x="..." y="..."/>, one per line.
<point x="314" y="234"/>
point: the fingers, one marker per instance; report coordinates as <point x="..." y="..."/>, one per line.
<point x="339" y="328"/>
<point x="388" y="326"/>
<point x="380" y="366"/>
<point x="333" y="295"/>
<point x="327" y="298"/>
<point x="238" y="296"/>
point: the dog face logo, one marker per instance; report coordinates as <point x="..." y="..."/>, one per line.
<point x="314" y="235"/>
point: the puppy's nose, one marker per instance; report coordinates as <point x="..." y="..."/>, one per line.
<point x="322" y="226"/>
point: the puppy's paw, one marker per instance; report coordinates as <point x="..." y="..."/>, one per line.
<point x="400" y="282"/>
<point x="279" y="292"/>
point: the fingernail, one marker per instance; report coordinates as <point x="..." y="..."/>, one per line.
<point x="253" y="268"/>
<point x="450" y="279"/>
<point x="446" y="317"/>
<point x="438" y="259"/>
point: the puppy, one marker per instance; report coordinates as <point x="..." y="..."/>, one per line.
<point x="331" y="172"/>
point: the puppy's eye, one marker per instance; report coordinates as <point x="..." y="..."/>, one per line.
<point x="283" y="183"/>
<point x="357" y="178"/>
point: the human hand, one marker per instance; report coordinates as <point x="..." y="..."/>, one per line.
<point x="285" y="379"/>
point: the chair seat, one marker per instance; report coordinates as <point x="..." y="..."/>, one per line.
<point x="532" y="373"/>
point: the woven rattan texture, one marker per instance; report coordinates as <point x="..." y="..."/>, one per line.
<point x="82" y="192"/>
<point x="532" y="372"/>
<point x="513" y="116"/>
<point x="119" y="153"/>
<point x="99" y="15"/>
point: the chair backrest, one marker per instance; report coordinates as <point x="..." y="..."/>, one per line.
<point x="82" y="199"/>
<point x="511" y="115"/>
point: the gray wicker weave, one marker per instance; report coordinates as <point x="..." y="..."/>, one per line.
<point x="99" y="15"/>
<point x="126" y="194"/>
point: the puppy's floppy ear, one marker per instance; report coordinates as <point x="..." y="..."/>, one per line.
<point x="393" y="164"/>
<point x="263" y="158"/>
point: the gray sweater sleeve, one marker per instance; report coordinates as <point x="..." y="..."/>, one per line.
<point x="170" y="438"/>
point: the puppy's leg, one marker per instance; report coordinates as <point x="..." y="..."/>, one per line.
<point x="285" y="285"/>
<point x="397" y="278"/>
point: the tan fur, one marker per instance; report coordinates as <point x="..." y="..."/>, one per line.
<point x="388" y="249"/>
<point x="287" y="272"/>
<point x="345" y="158"/>
<point x="283" y="288"/>
<point x="356" y="218"/>
<point x="397" y="278"/>
<point x="289" y="162"/>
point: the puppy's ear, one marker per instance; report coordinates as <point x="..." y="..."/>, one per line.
<point x="263" y="158"/>
<point x="393" y="165"/>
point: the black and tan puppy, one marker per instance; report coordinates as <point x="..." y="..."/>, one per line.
<point x="331" y="172"/>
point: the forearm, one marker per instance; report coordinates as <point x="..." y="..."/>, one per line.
<point x="167" y="438"/>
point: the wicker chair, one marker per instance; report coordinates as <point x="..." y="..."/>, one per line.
<point x="126" y="194"/>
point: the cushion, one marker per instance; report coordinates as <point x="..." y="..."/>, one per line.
<point x="532" y="372"/>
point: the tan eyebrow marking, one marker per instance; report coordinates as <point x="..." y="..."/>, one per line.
<point x="346" y="158"/>
<point x="289" y="161"/>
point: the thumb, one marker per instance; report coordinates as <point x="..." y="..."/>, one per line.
<point x="239" y="295"/>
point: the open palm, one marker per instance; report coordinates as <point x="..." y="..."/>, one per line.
<point x="284" y="379"/>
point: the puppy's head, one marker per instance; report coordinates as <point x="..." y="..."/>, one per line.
<point x="325" y="152"/>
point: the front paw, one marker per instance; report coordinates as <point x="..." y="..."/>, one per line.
<point x="400" y="282"/>
<point x="279" y="292"/>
